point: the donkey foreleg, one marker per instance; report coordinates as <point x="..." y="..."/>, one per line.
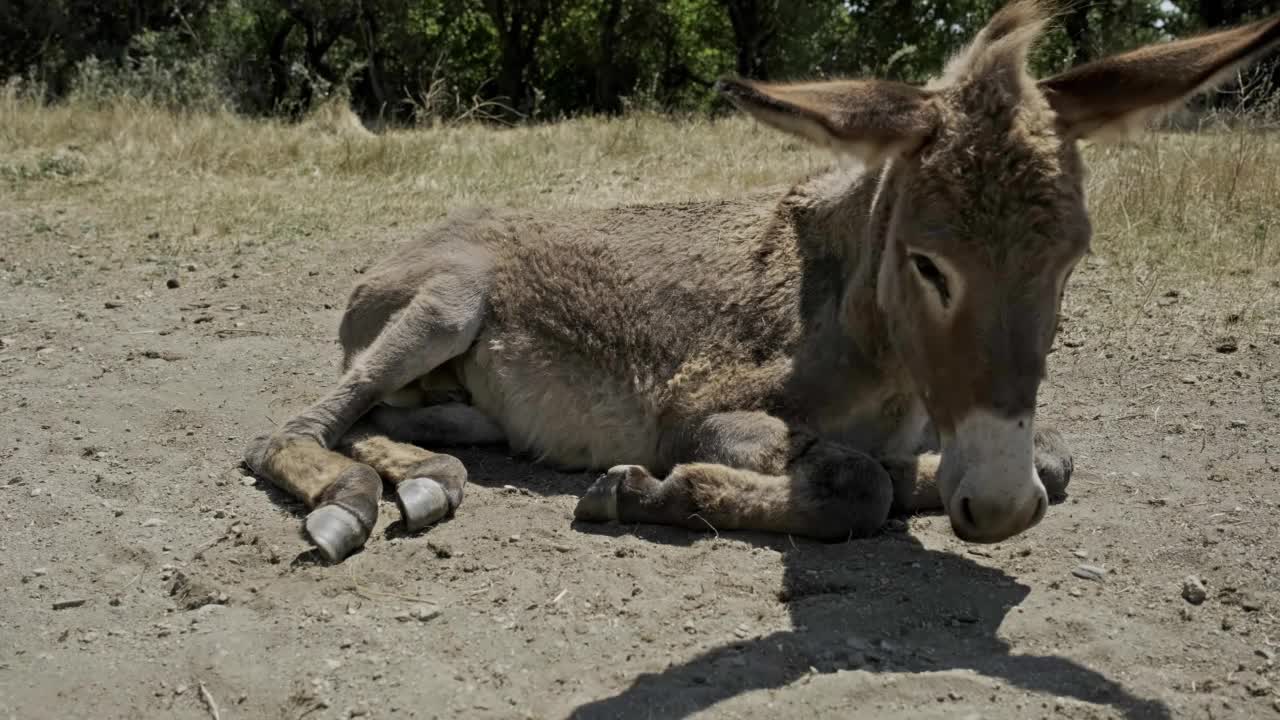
<point x="823" y="491"/>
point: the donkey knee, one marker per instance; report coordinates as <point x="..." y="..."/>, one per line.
<point x="1054" y="463"/>
<point x="848" y="494"/>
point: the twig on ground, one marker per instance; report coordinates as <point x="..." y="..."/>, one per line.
<point x="704" y="520"/>
<point x="209" y="702"/>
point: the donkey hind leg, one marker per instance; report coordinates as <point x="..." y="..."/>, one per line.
<point x="429" y="486"/>
<point x="826" y="491"/>
<point x="296" y="457"/>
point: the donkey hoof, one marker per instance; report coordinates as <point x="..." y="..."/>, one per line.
<point x="422" y="502"/>
<point x="335" y="532"/>
<point x="600" y="503"/>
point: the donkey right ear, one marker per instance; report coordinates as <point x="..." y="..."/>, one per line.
<point x="869" y="119"/>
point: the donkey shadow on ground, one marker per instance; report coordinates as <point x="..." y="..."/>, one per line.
<point x="884" y="604"/>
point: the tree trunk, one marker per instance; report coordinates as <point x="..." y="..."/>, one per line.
<point x="1078" y="32"/>
<point x="608" y="94"/>
<point x="754" y="25"/>
<point x="279" y="67"/>
<point x="519" y="24"/>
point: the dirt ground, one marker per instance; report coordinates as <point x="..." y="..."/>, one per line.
<point x="142" y="575"/>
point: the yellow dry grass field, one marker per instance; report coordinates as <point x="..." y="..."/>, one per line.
<point x="170" y="286"/>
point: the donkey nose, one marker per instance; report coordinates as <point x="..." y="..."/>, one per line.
<point x="983" y="519"/>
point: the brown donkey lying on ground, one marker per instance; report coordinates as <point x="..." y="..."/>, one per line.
<point x="868" y="342"/>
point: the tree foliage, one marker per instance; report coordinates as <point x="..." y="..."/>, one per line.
<point x="406" y="60"/>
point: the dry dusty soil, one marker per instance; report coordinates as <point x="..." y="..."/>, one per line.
<point x="143" y="575"/>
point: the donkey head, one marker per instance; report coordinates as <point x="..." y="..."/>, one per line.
<point x="986" y="219"/>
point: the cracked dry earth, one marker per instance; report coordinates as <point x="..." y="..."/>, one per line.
<point x="143" y="575"/>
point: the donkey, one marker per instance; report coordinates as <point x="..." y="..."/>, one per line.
<point x="870" y="342"/>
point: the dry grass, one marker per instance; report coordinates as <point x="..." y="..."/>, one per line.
<point x="1207" y="204"/>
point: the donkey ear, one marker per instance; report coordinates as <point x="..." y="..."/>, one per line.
<point x="869" y="119"/>
<point x="1121" y="94"/>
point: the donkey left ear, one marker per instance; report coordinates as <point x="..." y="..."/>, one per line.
<point x="1121" y="94"/>
<point x="869" y="119"/>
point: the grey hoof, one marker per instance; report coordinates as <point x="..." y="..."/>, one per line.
<point x="422" y="502"/>
<point x="600" y="503"/>
<point x="335" y="531"/>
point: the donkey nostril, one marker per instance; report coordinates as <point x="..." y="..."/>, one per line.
<point x="967" y="512"/>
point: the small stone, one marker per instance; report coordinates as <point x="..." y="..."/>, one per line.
<point x="955" y="696"/>
<point x="1189" y="380"/>
<point x="248" y="480"/>
<point x="1226" y="345"/>
<point x="190" y="267"/>
<point x="1266" y="654"/>
<point x="1250" y="602"/>
<point x="36" y="492"/>
<point x="1089" y="572"/>
<point x="1218" y="478"/>
<point x="180" y="690"/>
<point x="1193" y="591"/>
<point x="112" y="304"/>
<point x="1259" y="687"/>
<point x="1228" y="623"/>
<point x="422" y="614"/>
<point x="152" y="522"/>
<point x="514" y="539"/>
<point x="40" y="571"/>
<point x="1082" y="554"/>
<point x="65" y="604"/>
<point x="172" y="283"/>
<point x="1275" y="705"/>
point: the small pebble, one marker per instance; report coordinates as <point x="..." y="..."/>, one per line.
<point x="1089" y="572"/>
<point x="40" y="571"/>
<point x="1260" y="687"/>
<point x="248" y="480"/>
<point x="153" y="522"/>
<point x="190" y="267"/>
<point x="172" y="283"/>
<point x="112" y="304"/>
<point x="1266" y="654"/>
<point x="1251" y="602"/>
<point x="1081" y="554"/>
<point x="1193" y="591"/>
<point x="425" y="614"/>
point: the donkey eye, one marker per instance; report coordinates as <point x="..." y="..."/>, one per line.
<point x="932" y="275"/>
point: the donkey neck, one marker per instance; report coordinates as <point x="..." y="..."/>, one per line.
<point x="845" y="369"/>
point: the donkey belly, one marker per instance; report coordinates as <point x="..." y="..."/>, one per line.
<point x="560" y="410"/>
